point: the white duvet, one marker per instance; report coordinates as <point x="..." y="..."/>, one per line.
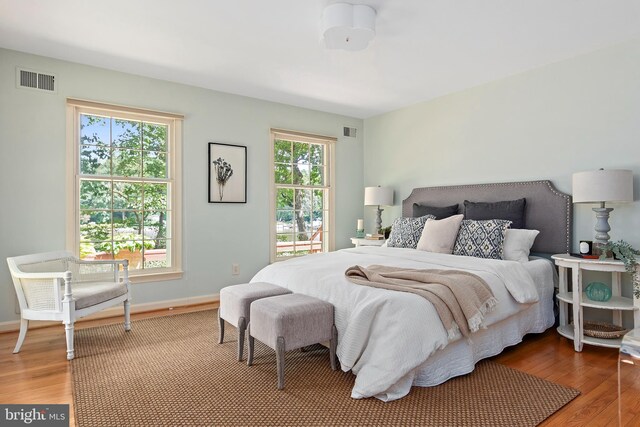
<point x="384" y="335"/>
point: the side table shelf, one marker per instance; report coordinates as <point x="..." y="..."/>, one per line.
<point x="567" y="332"/>
<point x="578" y="299"/>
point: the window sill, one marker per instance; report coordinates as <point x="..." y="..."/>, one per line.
<point x="155" y="276"/>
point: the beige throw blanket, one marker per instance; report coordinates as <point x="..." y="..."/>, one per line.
<point x="460" y="298"/>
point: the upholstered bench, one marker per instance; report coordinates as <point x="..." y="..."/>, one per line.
<point x="234" y="306"/>
<point x="289" y="322"/>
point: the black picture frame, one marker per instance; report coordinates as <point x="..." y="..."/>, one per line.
<point x="222" y="158"/>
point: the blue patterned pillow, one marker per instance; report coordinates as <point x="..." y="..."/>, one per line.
<point x="406" y="231"/>
<point x="481" y="239"/>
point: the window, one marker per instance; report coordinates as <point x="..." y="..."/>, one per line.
<point x="302" y="194"/>
<point x="125" y="178"/>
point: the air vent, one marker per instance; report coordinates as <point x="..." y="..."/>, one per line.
<point x="35" y="80"/>
<point x="350" y="132"/>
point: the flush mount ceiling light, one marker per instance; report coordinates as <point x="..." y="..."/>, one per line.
<point x="348" y="26"/>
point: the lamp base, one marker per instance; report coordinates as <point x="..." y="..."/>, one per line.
<point x="379" y="220"/>
<point x="602" y="224"/>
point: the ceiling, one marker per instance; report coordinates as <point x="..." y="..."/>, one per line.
<point x="272" y="49"/>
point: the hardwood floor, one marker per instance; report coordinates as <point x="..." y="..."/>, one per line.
<point x="594" y="372"/>
<point x="41" y="374"/>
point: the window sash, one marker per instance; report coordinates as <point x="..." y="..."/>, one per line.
<point x="327" y="209"/>
<point x="172" y="208"/>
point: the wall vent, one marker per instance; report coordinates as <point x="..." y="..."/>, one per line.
<point x="350" y="132"/>
<point x="35" y="80"/>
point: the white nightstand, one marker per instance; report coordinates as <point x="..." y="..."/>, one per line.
<point x="361" y="241"/>
<point x="578" y="299"/>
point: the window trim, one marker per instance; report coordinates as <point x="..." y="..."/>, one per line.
<point x="75" y="107"/>
<point x="307" y="138"/>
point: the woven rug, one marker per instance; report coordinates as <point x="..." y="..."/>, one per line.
<point x="170" y="371"/>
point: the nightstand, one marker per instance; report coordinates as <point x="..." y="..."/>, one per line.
<point x="578" y="299"/>
<point x="361" y="241"/>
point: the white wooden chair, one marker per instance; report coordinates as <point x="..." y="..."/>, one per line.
<point x="58" y="286"/>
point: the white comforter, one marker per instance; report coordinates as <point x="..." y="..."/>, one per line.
<point x="384" y="335"/>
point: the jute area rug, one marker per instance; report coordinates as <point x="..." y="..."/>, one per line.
<point x="170" y="371"/>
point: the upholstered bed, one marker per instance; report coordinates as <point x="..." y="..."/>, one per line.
<point x="393" y="340"/>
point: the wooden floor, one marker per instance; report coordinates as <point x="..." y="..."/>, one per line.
<point x="40" y="373"/>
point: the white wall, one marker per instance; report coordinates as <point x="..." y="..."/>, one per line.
<point x="32" y="170"/>
<point x="575" y="115"/>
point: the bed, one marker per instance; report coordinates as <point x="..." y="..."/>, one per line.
<point x="393" y="340"/>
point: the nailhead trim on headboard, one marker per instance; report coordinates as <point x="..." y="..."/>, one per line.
<point x="531" y="190"/>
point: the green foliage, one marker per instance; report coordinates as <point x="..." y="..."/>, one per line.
<point x="132" y="245"/>
<point x="627" y="254"/>
<point x="99" y="236"/>
<point x="121" y="149"/>
<point x="386" y="231"/>
<point x="299" y="163"/>
<point x="155" y="264"/>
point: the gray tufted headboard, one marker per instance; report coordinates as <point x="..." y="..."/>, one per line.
<point x="547" y="209"/>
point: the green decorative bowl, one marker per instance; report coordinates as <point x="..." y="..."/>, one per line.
<point x="598" y="291"/>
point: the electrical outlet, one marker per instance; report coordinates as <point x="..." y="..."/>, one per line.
<point x="235" y="269"/>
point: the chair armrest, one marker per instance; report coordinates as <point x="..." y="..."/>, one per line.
<point x="103" y="261"/>
<point x="52" y="275"/>
<point x="111" y="264"/>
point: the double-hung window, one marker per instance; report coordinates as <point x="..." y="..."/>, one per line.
<point x="124" y="176"/>
<point x="302" y="194"/>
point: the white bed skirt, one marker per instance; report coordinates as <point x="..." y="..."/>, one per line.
<point x="459" y="357"/>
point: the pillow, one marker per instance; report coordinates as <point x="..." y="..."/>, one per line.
<point x="439" y="213"/>
<point x="517" y="244"/>
<point x="440" y="235"/>
<point x="405" y="232"/>
<point x="481" y="239"/>
<point x="512" y="210"/>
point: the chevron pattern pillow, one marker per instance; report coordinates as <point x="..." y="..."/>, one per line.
<point x="406" y="231"/>
<point x="481" y="239"/>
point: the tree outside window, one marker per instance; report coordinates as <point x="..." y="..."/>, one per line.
<point x="123" y="191"/>
<point x="301" y="193"/>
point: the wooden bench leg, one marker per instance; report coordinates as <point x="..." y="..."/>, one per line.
<point x="242" y="327"/>
<point x="333" y="344"/>
<point x="251" y="343"/>
<point x="280" y="362"/>
<point x="220" y="328"/>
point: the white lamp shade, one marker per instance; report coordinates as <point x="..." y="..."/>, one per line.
<point x="378" y="196"/>
<point x="347" y="26"/>
<point x="603" y="186"/>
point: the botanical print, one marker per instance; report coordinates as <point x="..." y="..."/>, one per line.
<point x="227" y="173"/>
<point x="223" y="173"/>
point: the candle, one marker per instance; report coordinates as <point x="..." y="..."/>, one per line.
<point x="360" y="224"/>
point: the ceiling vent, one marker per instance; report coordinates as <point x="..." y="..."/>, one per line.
<point x="30" y="79"/>
<point x="350" y="132"/>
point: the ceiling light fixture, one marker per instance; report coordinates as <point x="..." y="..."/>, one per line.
<point x="348" y="26"/>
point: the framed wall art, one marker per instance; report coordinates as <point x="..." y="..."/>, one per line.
<point x="227" y="173"/>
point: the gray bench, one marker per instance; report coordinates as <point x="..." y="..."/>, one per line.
<point x="234" y="306"/>
<point x="289" y="322"/>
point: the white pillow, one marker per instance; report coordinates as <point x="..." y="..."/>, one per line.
<point x="439" y="235"/>
<point x="517" y="244"/>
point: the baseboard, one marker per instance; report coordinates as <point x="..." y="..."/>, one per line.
<point x="14" y="325"/>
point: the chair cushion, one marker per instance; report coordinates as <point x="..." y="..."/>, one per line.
<point x="236" y="299"/>
<point x="87" y="294"/>
<point x="300" y="319"/>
